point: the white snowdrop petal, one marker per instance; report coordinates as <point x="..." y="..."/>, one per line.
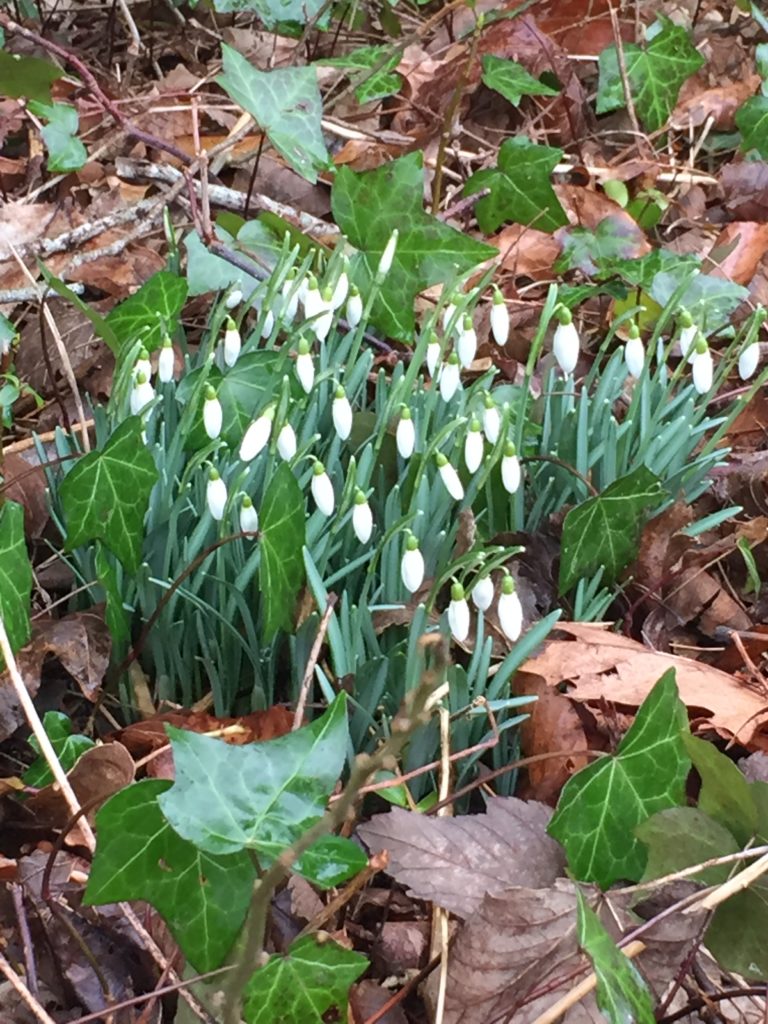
<point x="340" y="291"/>
<point x="216" y="498"/>
<point x="234" y="298"/>
<point x="458" y="619"/>
<point x="500" y="322"/>
<point x="634" y="356"/>
<point x="388" y="256"/>
<point x="448" y="314"/>
<point x="142" y="367"/>
<point x="232" y="346"/>
<point x="748" y="360"/>
<point x="141" y="395"/>
<point x="510" y="473"/>
<point x="362" y="521"/>
<point x="687" y="338"/>
<point x="566" y="346"/>
<point x="269" y="323"/>
<point x="255" y="438"/>
<point x="165" y="364"/>
<point x="492" y="424"/>
<point x="412" y="570"/>
<point x="305" y="371"/>
<point x="322" y="492"/>
<point x="482" y="594"/>
<point x="473" y="450"/>
<point x="212" y="417"/>
<point x="313" y="302"/>
<point x="510" y="615"/>
<point x="249" y="519"/>
<point x="433" y="357"/>
<point x="702" y="370"/>
<point x="341" y="412"/>
<point x="450" y="379"/>
<point x="354" y="309"/>
<point x="405" y="436"/>
<point x="451" y="480"/>
<point x="286" y="442"/>
<point x="466" y="347"/>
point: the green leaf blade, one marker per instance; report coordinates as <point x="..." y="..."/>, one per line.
<point x="282" y="537"/>
<point x="511" y="80"/>
<point x="68" y="747"/>
<point x="15" y="576"/>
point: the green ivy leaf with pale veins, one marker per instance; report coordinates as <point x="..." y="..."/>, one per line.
<point x="368" y="206"/>
<point x="512" y="80"/>
<point x="15" y="575"/>
<point x="752" y="122"/>
<point x="601" y="806"/>
<point x="283" y="528"/>
<point x="521" y="190"/>
<point x="106" y="495"/>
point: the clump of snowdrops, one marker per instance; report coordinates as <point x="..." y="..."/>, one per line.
<point x="388" y="456"/>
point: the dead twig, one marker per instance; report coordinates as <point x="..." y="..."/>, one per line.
<point x="314" y="654"/>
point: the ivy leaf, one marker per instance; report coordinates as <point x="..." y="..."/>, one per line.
<point x="710" y="300"/>
<point x="725" y="795"/>
<point x="58" y="728"/>
<point x="106" y="495"/>
<point x="149" y="313"/>
<point x="655" y="74"/>
<point x="600" y="806"/>
<point x="604" y="531"/>
<point x="15" y="575"/>
<point x="521" y="191"/>
<point x="285" y="103"/>
<point x="621" y="994"/>
<point x="368" y="206"/>
<point x="203" y="898"/>
<point x="258" y="797"/>
<point x="616" y="239"/>
<point x="277" y="13"/>
<point x="381" y="82"/>
<point x="302" y="986"/>
<point x="283" y="529"/>
<point x="28" y="77"/>
<point x="512" y="80"/>
<point x="65" y="151"/>
<point x="752" y="122"/>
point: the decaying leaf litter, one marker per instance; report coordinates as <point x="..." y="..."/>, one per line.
<point x="571" y="181"/>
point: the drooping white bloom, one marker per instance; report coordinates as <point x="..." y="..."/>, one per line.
<point x="142" y="394"/>
<point x="450" y="378"/>
<point x="405" y="435"/>
<point x="341" y="411"/>
<point x="290" y="293"/>
<point x="449" y="311"/>
<point x="748" y="360"/>
<point x="166" y="362"/>
<point x="305" y="367"/>
<point x="249" y="517"/>
<point x="482" y="594"/>
<point x="321" y="325"/>
<point x="702" y="367"/>
<point x="688" y="332"/>
<point x="450" y="477"/>
<point x="458" y="613"/>
<point x="341" y="288"/>
<point x="466" y="343"/>
<point x="510" y="469"/>
<point x="216" y="495"/>
<point x="473" y="446"/>
<point x="212" y="413"/>
<point x="322" y="490"/>
<point x="491" y="419"/>
<point x="412" y="565"/>
<point x="434" y="350"/>
<point x="313" y="300"/>
<point x="269" y="323"/>
<point x="286" y="442"/>
<point x="634" y="353"/>
<point x="354" y="307"/>
<point x="499" y="318"/>
<point x="232" y="342"/>
<point x="256" y="437"/>
<point x="234" y="298"/>
<point x="142" y="365"/>
<point x="362" y="518"/>
<point x="388" y="256"/>
<point x="510" y="610"/>
<point x="566" y="344"/>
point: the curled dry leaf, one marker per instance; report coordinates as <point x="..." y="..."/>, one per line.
<point x="597" y="665"/>
<point x="98" y="774"/>
<point x="454" y="862"/>
<point x="738" y="250"/>
<point x="553" y="723"/>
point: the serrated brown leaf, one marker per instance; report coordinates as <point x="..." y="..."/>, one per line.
<point x="454" y="862"/>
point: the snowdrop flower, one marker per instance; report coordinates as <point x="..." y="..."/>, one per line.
<point x="341" y="412"/>
<point x="290" y="293"/>
<point x="388" y="256"/>
<point x="482" y="594"/>
<point x="321" y="325"/>
<point x="499" y="318"/>
<point x="322" y="490"/>
<point x="701" y="366"/>
<point x="256" y="436"/>
<point x="142" y="394"/>
<point x="269" y="323"/>
<point x="142" y="365"/>
<point x="449" y="311"/>
<point x="748" y="360"/>
<point x="305" y="368"/>
<point x="434" y="351"/>
<point x="354" y="307"/>
<point x="450" y="378"/>
<point x="249" y="517"/>
<point x="510" y="610"/>
<point x="234" y="298"/>
<point x="466" y="343"/>
<point x="212" y="414"/>
<point x="449" y="476"/>
<point x="216" y="495"/>
<point x="286" y="442"/>
<point x="566" y="343"/>
<point x="166" y="362"/>
<point x="473" y="446"/>
<point x="688" y="332"/>
<point x="313" y="300"/>
<point x="362" y="518"/>
<point x="341" y="288"/>
<point x="405" y="435"/>
<point x="412" y="565"/>
<point x="458" y="613"/>
<point x="491" y="419"/>
<point x="634" y="352"/>
<point x="510" y="469"/>
<point x="232" y="342"/>
<point x="5" y="344"/>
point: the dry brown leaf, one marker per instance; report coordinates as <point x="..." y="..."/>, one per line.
<point x="526" y="252"/>
<point x="553" y="723"/>
<point x="699" y="596"/>
<point x="25" y="483"/>
<point x="454" y="862"/>
<point x="598" y="665"/>
<point x="720" y="102"/>
<point x="662" y="544"/>
<point x="98" y="774"/>
<point x="738" y="250"/>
